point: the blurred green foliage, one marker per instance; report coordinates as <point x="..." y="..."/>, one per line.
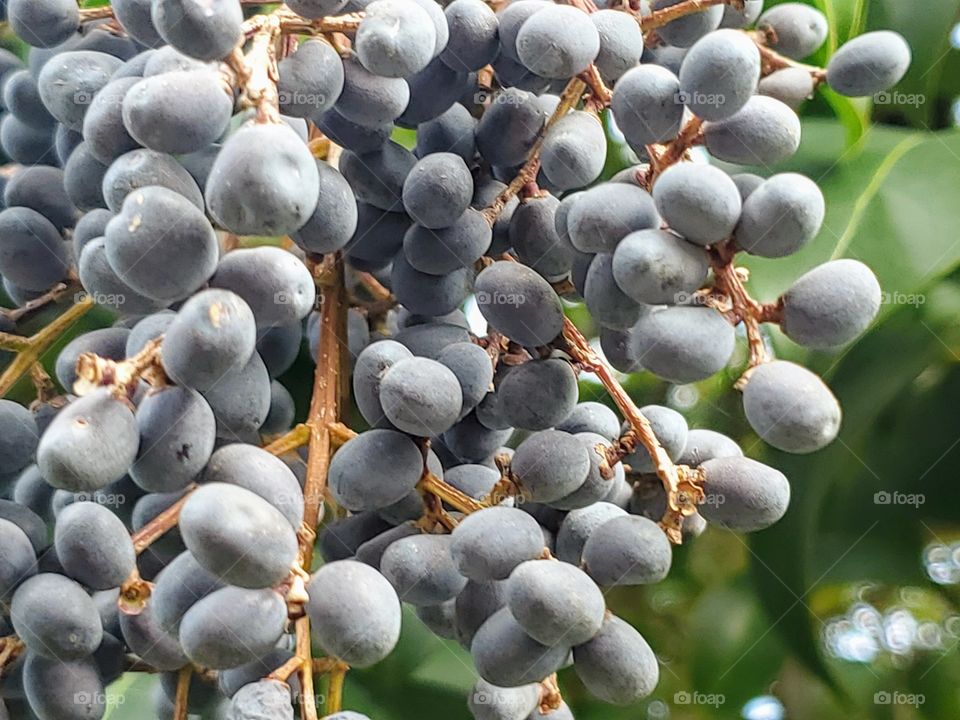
<point x="744" y="617"/>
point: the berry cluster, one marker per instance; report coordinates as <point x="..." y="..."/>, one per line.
<point x="163" y="514"/>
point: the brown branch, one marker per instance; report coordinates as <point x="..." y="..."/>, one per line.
<point x="771" y="60"/>
<point x="40" y="342"/>
<point x="324" y="410"/>
<point x="430" y="483"/>
<point x="156" y="528"/>
<point x="308" y="704"/>
<point x="729" y="280"/>
<point x="283" y="672"/>
<point x="295" y="438"/>
<point x="94" y="371"/>
<point x="340" y="434"/>
<point x="256" y="71"/>
<point x="678" y="502"/>
<point x="568" y="100"/>
<point x="659" y="18"/>
<point x="375" y="287"/>
<point x="335" y="688"/>
<point x="550" y="698"/>
<point x="97" y="13"/>
<point x="290" y="22"/>
<point x="53" y="295"/>
<point x="663" y="156"/>
<point x="183" y="691"/>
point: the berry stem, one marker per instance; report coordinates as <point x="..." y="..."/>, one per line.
<point x="295" y="438"/>
<point x="183" y="691"/>
<point x="155" y="529"/>
<point x="729" y="280"/>
<point x="568" y="100"/>
<point x="335" y="689"/>
<point x="256" y="70"/>
<point x="771" y="60"/>
<point x="341" y="434"/>
<point x="53" y="295"/>
<point x="283" y="672"/>
<point x="447" y="493"/>
<point x="324" y="410"/>
<point x="95" y="13"/>
<point x="659" y="18"/>
<point x="640" y="428"/>
<point x="308" y="703"/>
<point x="41" y="342"/>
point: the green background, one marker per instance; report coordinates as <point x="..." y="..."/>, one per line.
<point x="741" y="617"/>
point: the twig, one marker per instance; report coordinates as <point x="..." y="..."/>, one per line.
<point x="183" y="691"/>
<point x="94" y="371"/>
<point x="771" y="60"/>
<point x="308" y="704"/>
<point x="295" y="438"/>
<point x="568" y="100"/>
<point x="256" y="71"/>
<point x="681" y="488"/>
<point x="54" y="294"/>
<point x="340" y="434"/>
<point x="374" y="287"/>
<point x="659" y="18"/>
<point x="155" y="529"/>
<point x="663" y="156"/>
<point x="550" y="698"/>
<point x="10" y="647"/>
<point x="41" y="342"/>
<point x="430" y="483"/>
<point x="324" y="410"/>
<point x="728" y="280"/>
<point x="335" y="689"/>
<point x="283" y="672"/>
<point x="97" y="13"/>
<point x="290" y="22"/>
